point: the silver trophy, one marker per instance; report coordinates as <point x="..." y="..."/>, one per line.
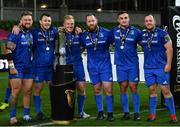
<point x="62" y="49"/>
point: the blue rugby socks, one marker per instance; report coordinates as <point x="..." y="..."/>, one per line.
<point x="99" y="102"/>
<point x="7" y="96"/>
<point x="124" y="102"/>
<point x="170" y="105"/>
<point x="26" y="111"/>
<point x="37" y="102"/>
<point x="153" y="104"/>
<point x="109" y="102"/>
<point x="136" y="102"/>
<point x="81" y="100"/>
<point x="12" y="112"/>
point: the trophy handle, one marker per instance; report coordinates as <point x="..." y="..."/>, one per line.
<point x="57" y="55"/>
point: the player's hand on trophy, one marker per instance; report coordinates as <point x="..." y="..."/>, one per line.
<point x="78" y="30"/>
<point x="61" y="29"/>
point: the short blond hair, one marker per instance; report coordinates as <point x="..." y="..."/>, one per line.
<point x="67" y="17"/>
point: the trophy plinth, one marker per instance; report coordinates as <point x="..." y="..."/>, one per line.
<point x="62" y="101"/>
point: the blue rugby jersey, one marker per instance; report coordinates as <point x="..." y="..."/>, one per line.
<point x="22" y="55"/>
<point x="127" y="55"/>
<point x="155" y="55"/>
<point x="43" y="56"/>
<point x="100" y="56"/>
<point x="73" y="50"/>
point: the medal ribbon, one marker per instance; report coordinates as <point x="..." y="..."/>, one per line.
<point x="123" y="37"/>
<point x="95" y="41"/>
<point x="70" y="42"/>
<point x="47" y="39"/>
<point x="29" y="40"/>
<point x="149" y="39"/>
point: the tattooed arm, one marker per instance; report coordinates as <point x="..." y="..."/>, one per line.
<point x="9" y="48"/>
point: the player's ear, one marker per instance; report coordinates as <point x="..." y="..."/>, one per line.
<point x="40" y="22"/>
<point x="20" y="22"/>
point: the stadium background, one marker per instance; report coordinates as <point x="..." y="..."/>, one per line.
<point x="106" y="11"/>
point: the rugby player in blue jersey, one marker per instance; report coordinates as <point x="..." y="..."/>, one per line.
<point x="97" y="40"/>
<point x="43" y="59"/>
<point x="19" y="53"/>
<point x="158" y="53"/>
<point x="126" y="38"/>
<point x="73" y="56"/>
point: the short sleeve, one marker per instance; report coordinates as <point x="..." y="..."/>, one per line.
<point x="165" y="37"/>
<point x="12" y="38"/>
<point x="139" y="35"/>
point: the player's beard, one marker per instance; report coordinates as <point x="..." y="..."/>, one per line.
<point x="92" y="27"/>
<point x="150" y="28"/>
<point x="25" y="27"/>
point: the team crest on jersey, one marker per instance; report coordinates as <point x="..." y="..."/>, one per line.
<point x="144" y="35"/>
<point x="155" y="35"/>
<point x="132" y="32"/>
<point x="51" y="32"/>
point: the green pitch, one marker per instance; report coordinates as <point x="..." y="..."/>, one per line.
<point x="90" y="108"/>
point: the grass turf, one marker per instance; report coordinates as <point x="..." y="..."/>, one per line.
<point x="90" y="108"/>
